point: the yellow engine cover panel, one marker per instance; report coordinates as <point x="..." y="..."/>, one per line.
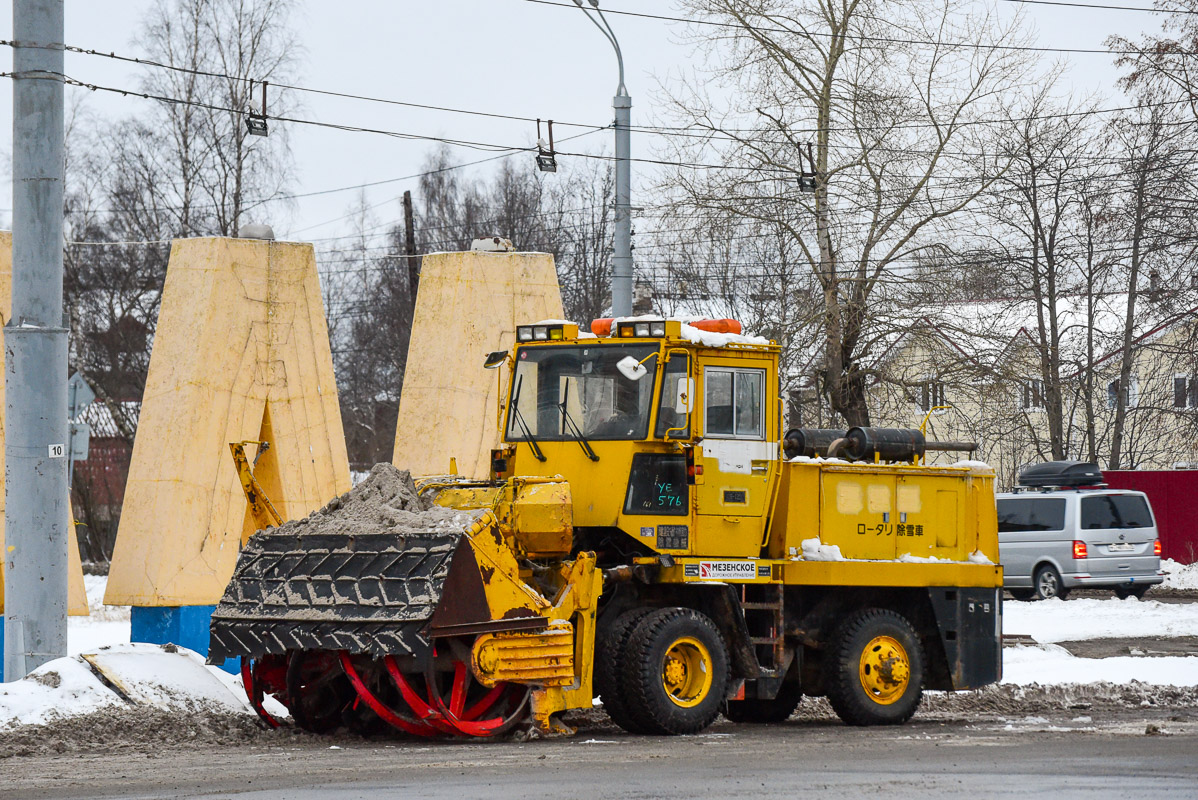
<point x="541" y="657"/>
<point x="540" y="517"/>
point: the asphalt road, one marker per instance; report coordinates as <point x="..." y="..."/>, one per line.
<point x="1063" y="757"/>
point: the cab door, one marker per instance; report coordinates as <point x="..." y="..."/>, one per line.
<point x="738" y="455"/>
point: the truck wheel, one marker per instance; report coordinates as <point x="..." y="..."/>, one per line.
<point x="766" y="711"/>
<point x="1048" y="583"/>
<point x="610" y="648"/>
<point x="676" y="672"/>
<point x="874" y="669"/>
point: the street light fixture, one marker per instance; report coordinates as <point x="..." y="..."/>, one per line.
<point x="621" y="277"/>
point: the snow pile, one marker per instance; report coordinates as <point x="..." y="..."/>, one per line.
<point x="386" y="500"/>
<point x="712" y="339"/>
<point x="63" y="687"/>
<point x="978" y="557"/>
<point x="972" y="465"/>
<point x="814" y="550"/>
<point x="168" y="678"/>
<point x="1071" y="620"/>
<point x="1179" y="576"/>
<point x="907" y="558"/>
<point x="1054" y="665"/>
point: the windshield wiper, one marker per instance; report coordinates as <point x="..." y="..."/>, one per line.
<point x="528" y="437"/>
<point x="568" y="423"/>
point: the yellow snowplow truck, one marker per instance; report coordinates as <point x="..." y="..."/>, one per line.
<point x="648" y="536"/>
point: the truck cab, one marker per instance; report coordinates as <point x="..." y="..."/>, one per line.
<point x="664" y="430"/>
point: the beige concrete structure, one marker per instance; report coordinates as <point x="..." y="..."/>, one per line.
<point x="241" y="352"/>
<point x="469" y="304"/>
<point x="77" y="600"/>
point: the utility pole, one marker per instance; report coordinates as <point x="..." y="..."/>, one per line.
<point x="409" y="246"/>
<point x="35" y="345"/>
<point x="621" y="273"/>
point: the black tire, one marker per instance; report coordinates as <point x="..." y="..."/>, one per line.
<point x="1048" y="584"/>
<point x="766" y="711"/>
<point x="1022" y="594"/>
<point x="675" y="671"/>
<point x="868" y="636"/>
<point x="1138" y="592"/>
<point x="609" y="660"/>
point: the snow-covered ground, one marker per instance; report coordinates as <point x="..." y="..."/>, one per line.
<point x="1051" y="664"/>
<point x="107" y="624"/>
<point x="1054" y="620"/>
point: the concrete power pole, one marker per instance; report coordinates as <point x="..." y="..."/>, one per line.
<point x="621" y="273"/>
<point x="35" y="345"/>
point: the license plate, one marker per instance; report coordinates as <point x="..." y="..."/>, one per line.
<point x="1121" y="548"/>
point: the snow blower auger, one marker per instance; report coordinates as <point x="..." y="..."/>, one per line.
<point x="384" y="609"/>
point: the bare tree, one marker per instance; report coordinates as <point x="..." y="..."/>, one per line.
<point x="891" y="123"/>
<point x="567" y="216"/>
<point x="1159" y="161"/>
<point x="1035" y="216"/>
<point x="208" y="170"/>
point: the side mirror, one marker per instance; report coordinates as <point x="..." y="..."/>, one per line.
<point x="684" y="394"/>
<point x="494" y="359"/>
<point x="631" y="369"/>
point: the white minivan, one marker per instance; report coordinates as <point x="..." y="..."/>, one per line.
<point x="1055" y="538"/>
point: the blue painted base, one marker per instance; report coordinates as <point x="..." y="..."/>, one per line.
<point x="186" y="626"/>
<point x="1" y="648"/>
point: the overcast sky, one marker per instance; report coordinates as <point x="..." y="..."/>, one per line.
<point x="507" y="56"/>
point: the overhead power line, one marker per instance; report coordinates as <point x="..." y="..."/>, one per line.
<point x="1100" y="6"/>
<point x="862" y="37"/>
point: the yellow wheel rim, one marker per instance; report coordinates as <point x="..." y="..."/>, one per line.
<point x="686" y="672"/>
<point x="884" y="670"/>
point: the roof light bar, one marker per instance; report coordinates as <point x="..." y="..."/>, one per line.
<point x="545" y="333"/>
<point x="645" y="329"/>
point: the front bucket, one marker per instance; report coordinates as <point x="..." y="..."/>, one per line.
<point x="362" y="593"/>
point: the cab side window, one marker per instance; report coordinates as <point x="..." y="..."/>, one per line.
<point x="672" y="416"/>
<point x="733" y="403"/>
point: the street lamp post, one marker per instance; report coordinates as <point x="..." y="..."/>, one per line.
<point x="621" y="275"/>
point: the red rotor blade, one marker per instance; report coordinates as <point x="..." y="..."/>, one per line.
<point x="254" y="694"/>
<point x="391" y="717"/>
<point x="422" y="709"/>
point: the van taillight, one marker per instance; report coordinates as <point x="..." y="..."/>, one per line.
<point x="1079" y="549"/>
<point x="1156" y="547"/>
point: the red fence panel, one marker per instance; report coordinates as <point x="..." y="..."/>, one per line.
<point x="1174" y="497"/>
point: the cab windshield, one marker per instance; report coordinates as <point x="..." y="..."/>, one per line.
<point x="556" y="391"/>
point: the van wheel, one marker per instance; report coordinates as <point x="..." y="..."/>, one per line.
<point x="1049" y="584"/>
<point x="1138" y="592"/>
<point x="874" y="669"/>
<point x="1022" y="594"/>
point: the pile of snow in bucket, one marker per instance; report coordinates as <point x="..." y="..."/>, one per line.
<point x="166" y="677"/>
